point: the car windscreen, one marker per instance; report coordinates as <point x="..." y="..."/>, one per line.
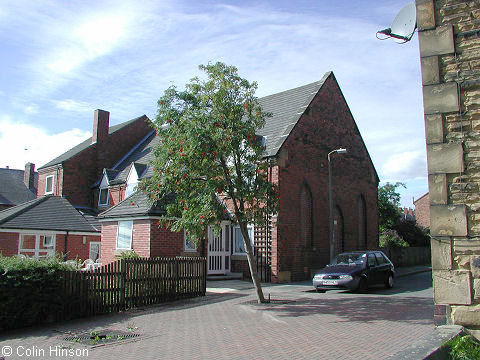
<point x="349" y="259"/>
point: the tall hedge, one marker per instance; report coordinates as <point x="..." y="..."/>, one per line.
<point x="30" y="291"/>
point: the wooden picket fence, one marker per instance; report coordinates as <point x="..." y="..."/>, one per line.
<point x="129" y="283"/>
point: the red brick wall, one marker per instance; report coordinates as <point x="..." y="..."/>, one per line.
<point x="149" y="240"/>
<point x="8" y="243"/>
<point x="327" y="126"/>
<point x="165" y="242"/>
<point x="109" y="242"/>
<point x="84" y="169"/>
<point x="75" y="246"/>
<point x="422" y="211"/>
<point x="57" y="172"/>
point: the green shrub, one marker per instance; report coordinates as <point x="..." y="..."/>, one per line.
<point x="29" y="290"/>
<point x="464" y="348"/>
<point x="391" y="239"/>
<point x="129" y="255"/>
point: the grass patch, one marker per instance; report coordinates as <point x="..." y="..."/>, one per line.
<point x="464" y="347"/>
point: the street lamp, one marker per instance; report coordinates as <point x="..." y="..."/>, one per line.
<point x="330" y="202"/>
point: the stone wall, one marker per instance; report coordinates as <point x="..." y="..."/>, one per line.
<point x="450" y="61"/>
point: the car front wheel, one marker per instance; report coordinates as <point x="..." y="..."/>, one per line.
<point x="389" y="281"/>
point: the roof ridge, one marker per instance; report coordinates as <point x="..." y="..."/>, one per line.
<point x="33" y="202"/>
<point x="287" y="129"/>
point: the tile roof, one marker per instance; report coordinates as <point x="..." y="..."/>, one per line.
<point x="139" y="157"/>
<point x="87" y="143"/>
<point x="47" y="213"/>
<point x="12" y="188"/>
<point x="286" y="108"/>
<point x="135" y="205"/>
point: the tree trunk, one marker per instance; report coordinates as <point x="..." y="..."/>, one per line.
<point x="251" y="263"/>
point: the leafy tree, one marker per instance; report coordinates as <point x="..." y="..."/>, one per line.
<point x="209" y="156"/>
<point x="388" y="204"/>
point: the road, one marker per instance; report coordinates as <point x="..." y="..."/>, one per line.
<point x="227" y="324"/>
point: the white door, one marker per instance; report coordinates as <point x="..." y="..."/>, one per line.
<point x="219" y="251"/>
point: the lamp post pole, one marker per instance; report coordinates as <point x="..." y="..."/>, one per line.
<point x="330" y="202"/>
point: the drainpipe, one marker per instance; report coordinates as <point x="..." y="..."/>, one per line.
<point x="65" y="246"/>
<point x="119" y="195"/>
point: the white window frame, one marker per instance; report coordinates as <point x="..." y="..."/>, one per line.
<point x="90" y="249"/>
<point x="132" y="181"/>
<point x="52" y="177"/>
<point x="131" y="234"/>
<point x="45" y="244"/>
<point x="36" y="251"/>
<point x="185" y="242"/>
<point x="100" y="197"/>
<point x="250" y="229"/>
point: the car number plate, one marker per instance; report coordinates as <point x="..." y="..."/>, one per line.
<point x="330" y="282"/>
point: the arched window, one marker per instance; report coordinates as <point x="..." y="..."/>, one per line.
<point x="338" y="231"/>
<point x="306" y="216"/>
<point x="362" y="223"/>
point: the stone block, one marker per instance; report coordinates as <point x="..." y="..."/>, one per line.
<point x="430" y="70"/>
<point x="463" y="262"/>
<point x="437" y="185"/>
<point x="476" y="289"/>
<point x="448" y="220"/>
<point x="440" y="98"/>
<point x="425" y="15"/>
<point x="466" y="246"/>
<point x="434" y="128"/>
<point x="441" y="253"/>
<point x="445" y="158"/>
<point x="437" y="41"/>
<point x="466" y="315"/>
<point x="452" y="287"/>
<point x="475" y="267"/>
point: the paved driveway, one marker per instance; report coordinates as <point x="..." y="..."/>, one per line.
<point x="227" y="324"/>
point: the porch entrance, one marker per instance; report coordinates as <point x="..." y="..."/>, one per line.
<point x="219" y="250"/>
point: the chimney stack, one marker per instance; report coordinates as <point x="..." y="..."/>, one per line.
<point x="29" y="176"/>
<point x="101" y="119"/>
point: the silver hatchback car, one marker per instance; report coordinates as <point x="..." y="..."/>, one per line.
<point x="356" y="271"/>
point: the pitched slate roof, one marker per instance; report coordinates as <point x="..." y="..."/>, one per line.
<point x="47" y="213"/>
<point x="136" y="204"/>
<point x="12" y="188"/>
<point x="139" y="157"/>
<point x="87" y="143"/>
<point x="286" y="108"/>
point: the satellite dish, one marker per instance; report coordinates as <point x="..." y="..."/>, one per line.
<point x="403" y="26"/>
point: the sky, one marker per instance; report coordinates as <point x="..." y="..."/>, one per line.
<point x="61" y="60"/>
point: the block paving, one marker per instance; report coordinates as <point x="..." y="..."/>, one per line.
<point x="227" y="324"/>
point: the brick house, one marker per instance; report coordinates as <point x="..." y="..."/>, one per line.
<point x="307" y="123"/>
<point x="73" y="173"/>
<point x="422" y="211"/>
<point x="71" y="178"/>
<point x="17" y="186"/>
<point x="50" y="224"/>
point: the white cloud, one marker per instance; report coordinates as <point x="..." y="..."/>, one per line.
<point x="22" y="142"/>
<point x="72" y="105"/>
<point x="31" y="109"/>
<point x="91" y="39"/>
<point x="405" y="166"/>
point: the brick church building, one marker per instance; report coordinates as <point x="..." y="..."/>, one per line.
<point x="99" y="176"/>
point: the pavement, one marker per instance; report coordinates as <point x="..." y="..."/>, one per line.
<point x="227" y="323"/>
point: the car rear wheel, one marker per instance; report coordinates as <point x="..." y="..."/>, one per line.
<point x="362" y="286"/>
<point x="389" y="281"/>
